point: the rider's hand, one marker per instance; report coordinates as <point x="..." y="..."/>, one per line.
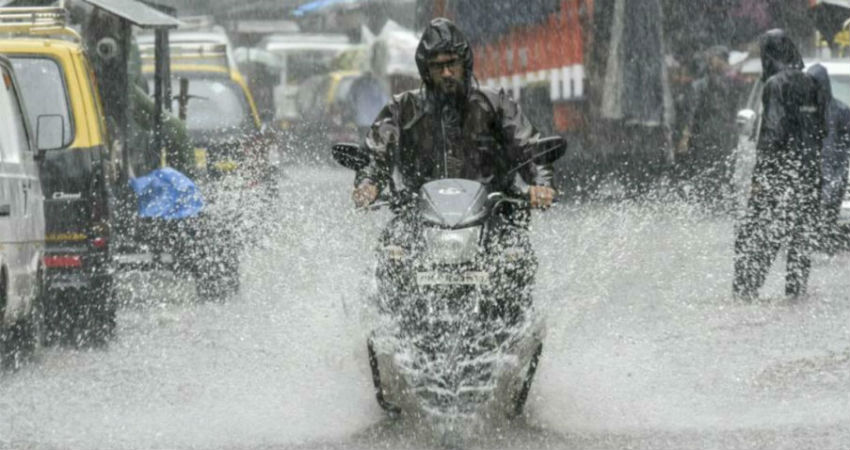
<point x="365" y="194"/>
<point x="541" y="196"/>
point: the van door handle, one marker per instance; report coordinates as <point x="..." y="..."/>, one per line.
<point x="5" y="210"/>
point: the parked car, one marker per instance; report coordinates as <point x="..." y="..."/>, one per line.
<point x="21" y="227"/>
<point x="749" y="120"/>
<point x="64" y="107"/>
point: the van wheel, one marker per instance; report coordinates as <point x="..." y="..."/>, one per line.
<point x="31" y="330"/>
<point x="20" y="341"/>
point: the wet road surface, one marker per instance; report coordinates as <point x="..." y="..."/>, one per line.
<point x="645" y="347"/>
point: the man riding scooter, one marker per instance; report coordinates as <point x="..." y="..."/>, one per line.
<point x="461" y="167"/>
<point x="453" y="128"/>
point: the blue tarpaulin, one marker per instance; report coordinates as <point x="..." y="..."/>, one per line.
<point x="167" y="194"/>
<point x="319" y="5"/>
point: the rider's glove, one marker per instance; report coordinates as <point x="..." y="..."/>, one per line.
<point x="541" y="196"/>
<point x="365" y="194"/>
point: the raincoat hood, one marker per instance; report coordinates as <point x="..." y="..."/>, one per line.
<point x="821" y="76"/>
<point x="443" y="36"/>
<point x="778" y="52"/>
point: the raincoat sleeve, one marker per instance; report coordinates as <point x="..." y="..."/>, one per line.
<point x="773" y="128"/>
<point x="520" y="140"/>
<point x="381" y="141"/>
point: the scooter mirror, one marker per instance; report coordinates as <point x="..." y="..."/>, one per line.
<point x="350" y="156"/>
<point x="550" y="149"/>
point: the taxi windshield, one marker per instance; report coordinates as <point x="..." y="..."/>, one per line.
<point x="213" y="104"/>
<point x="44" y="91"/>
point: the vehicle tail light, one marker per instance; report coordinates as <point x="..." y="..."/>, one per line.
<point x="63" y="261"/>
<point x="99" y="243"/>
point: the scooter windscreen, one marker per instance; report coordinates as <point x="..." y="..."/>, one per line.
<point x="453" y="203"/>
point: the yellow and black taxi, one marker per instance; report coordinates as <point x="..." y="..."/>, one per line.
<point x="64" y="108"/>
<point x="221" y="117"/>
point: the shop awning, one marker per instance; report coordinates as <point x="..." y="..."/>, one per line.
<point x="322" y="5"/>
<point x="136" y="13"/>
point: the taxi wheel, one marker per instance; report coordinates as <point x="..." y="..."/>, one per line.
<point x="216" y="270"/>
<point x="101" y="323"/>
<point x="217" y="281"/>
<point x="87" y="318"/>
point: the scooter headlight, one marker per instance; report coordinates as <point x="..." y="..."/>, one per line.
<point x="452" y="246"/>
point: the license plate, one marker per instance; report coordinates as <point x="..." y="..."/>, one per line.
<point x="134" y="258"/>
<point x="448" y="278"/>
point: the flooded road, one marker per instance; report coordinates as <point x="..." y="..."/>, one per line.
<point x="645" y="347"/>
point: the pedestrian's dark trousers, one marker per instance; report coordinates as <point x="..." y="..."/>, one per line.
<point x="784" y="205"/>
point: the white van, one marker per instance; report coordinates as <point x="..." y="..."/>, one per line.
<point x="21" y="228"/>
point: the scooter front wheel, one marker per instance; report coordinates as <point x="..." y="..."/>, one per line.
<point x="522" y="395"/>
<point x="388" y="407"/>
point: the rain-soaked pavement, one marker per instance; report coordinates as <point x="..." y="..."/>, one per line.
<point x="645" y="350"/>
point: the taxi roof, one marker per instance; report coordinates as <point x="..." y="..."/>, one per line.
<point x="197" y="68"/>
<point x="36" y="44"/>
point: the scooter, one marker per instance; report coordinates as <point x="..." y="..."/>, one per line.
<point x="458" y="336"/>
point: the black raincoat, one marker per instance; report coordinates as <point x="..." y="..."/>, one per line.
<point x="785" y="197"/>
<point x="419" y="137"/>
<point x="836" y="156"/>
<point x="425" y="138"/>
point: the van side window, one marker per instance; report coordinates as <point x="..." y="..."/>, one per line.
<point x="11" y="131"/>
<point x="43" y="89"/>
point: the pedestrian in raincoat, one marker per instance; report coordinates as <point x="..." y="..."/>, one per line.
<point x="836" y="156"/>
<point x="785" y="196"/>
<point x="709" y="133"/>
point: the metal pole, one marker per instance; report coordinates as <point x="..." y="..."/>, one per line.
<point x="118" y="94"/>
<point x="160" y="71"/>
<point x="183" y="98"/>
<point x="166" y="70"/>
